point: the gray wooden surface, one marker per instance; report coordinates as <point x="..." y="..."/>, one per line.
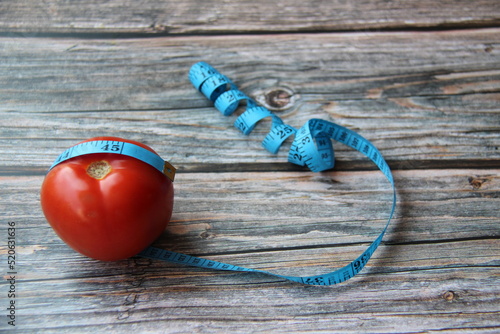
<point x="421" y="81"/>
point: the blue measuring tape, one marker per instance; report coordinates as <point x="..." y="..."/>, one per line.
<point x="311" y="147"/>
<point x="118" y="147"/>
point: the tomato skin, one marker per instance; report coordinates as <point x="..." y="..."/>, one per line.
<point x="112" y="218"/>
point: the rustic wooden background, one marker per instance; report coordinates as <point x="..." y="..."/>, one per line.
<point x="420" y="79"/>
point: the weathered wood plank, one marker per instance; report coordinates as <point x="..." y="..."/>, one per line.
<point x="459" y="298"/>
<point x="202" y="17"/>
<point x="204" y="140"/>
<point x="441" y="105"/>
<point x="437" y="270"/>
<point x="257" y="213"/>
<point x="411" y="69"/>
<point x="426" y="99"/>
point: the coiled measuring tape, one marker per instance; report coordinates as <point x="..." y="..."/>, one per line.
<point x="312" y="147"/>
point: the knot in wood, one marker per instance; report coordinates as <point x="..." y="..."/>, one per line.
<point x="449" y="296"/>
<point x="476" y="182"/>
<point x="279" y="98"/>
<point x="207" y="235"/>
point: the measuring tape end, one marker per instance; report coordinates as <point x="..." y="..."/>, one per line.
<point x="169" y="171"/>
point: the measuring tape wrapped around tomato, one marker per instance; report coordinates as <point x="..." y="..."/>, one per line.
<point x="108" y="198"/>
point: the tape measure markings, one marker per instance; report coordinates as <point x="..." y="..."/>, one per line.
<point x="142" y="154"/>
<point x="277" y="136"/>
<point x="311" y="146"/>
<point x="228" y="102"/>
<point x="118" y="147"/>
<point x="215" y="85"/>
<point x="278" y="133"/>
<point x="200" y="72"/>
<point x="247" y="120"/>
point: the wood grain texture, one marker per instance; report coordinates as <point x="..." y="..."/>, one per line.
<point x="435" y="263"/>
<point x="409" y="69"/>
<point x="302" y="209"/>
<point x="437" y="95"/>
<point x="421" y="80"/>
<point x="222" y="17"/>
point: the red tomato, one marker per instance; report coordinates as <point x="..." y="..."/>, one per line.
<point x="107" y="206"/>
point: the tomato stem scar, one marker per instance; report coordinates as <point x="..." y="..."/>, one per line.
<point x="99" y="169"/>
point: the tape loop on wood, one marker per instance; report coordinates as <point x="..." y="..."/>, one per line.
<point x="311" y="147"/>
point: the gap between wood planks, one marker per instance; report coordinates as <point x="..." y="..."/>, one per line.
<point x="158" y="33"/>
<point x="354" y="166"/>
<point x="346" y="244"/>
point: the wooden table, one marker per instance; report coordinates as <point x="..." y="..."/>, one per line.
<point x="421" y="80"/>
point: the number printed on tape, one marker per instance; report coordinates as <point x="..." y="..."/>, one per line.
<point x="312" y="146"/>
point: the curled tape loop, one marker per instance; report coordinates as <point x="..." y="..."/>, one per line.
<point x="349" y="138"/>
<point x="312" y="146"/>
